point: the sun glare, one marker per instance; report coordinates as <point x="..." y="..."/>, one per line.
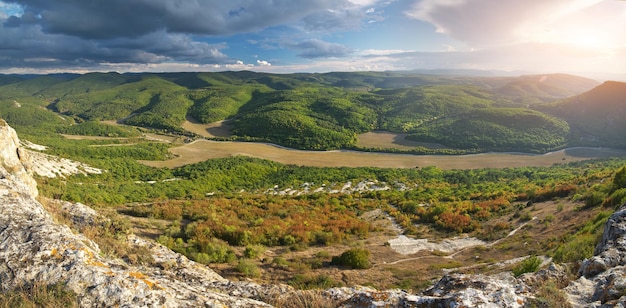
<point x="592" y="28"/>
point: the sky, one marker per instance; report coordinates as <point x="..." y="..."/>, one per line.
<point x="286" y="36"/>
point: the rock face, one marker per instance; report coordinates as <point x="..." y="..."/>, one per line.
<point x="603" y="276"/>
<point x="14" y="161"/>
<point x="35" y="249"/>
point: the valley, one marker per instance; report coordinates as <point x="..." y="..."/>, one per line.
<point x="201" y="150"/>
<point x="274" y="178"/>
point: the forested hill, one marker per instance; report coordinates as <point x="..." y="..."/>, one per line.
<point x="306" y="111"/>
<point x="596" y="117"/>
<point x="535" y="88"/>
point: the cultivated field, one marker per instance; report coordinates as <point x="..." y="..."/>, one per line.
<point x="201" y="150"/>
<point x="211" y="130"/>
<point x="389" y="140"/>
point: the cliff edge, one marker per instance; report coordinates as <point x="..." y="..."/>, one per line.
<point x="35" y="249"/>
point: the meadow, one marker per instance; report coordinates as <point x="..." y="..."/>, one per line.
<point x="201" y="150"/>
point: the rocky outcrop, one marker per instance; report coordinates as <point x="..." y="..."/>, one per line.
<point x="35" y="249"/>
<point x="14" y="161"/>
<point x="603" y="276"/>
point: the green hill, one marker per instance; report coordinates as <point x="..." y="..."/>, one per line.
<point x="596" y="117"/>
<point x="8" y="79"/>
<point x="85" y="83"/>
<point x="545" y="88"/>
<point x="321" y="111"/>
<point x="307" y="118"/>
<point x="496" y="129"/>
<point x="29" y="87"/>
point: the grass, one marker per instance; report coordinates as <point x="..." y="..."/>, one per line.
<point x="389" y="140"/>
<point x="529" y="265"/>
<point x="303" y="299"/>
<point x="202" y="150"/>
<point x="549" y="295"/>
<point x="40" y="296"/>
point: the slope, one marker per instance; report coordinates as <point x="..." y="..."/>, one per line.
<point x="544" y="88"/>
<point x="595" y="117"/>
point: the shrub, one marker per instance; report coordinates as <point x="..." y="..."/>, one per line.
<point x="248" y="268"/>
<point x="616" y="199"/>
<point x="594" y="199"/>
<point x="306" y="282"/>
<point x="253" y="251"/>
<point x="529" y="265"/>
<point x="526" y="216"/>
<point x="619" y="180"/>
<point x="280" y="262"/>
<point x="356" y="258"/>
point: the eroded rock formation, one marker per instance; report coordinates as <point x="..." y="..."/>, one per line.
<point x="36" y="249"/>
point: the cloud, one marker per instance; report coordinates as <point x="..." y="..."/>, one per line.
<point x="383" y="52"/>
<point x="483" y="23"/>
<point x="315" y="48"/>
<point x="332" y="20"/>
<point x="364" y="2"/>
<point x="263" y="63"/>
<point x="123" y="18"/>
<point x="26" y="45"/>
<point x="86" y="33"/>
<point x="10" y="9"/>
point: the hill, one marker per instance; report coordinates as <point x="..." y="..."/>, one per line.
<point x="595" y="117"/>
<point x="544" y="88"/>
<point x="306" y="111"/>
<point x="497" y="129"/>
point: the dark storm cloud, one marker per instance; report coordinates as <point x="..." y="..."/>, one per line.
<point x="28" y="46"/>
<point x="320" y="49"/>
<point x="55" y="33"/>
<point x="124" y="18"/>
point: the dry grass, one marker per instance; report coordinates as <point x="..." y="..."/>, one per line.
<point x="302" y="299"/>
<point x="389" y="140"/>
<point x="211" y="130"/>
<point x="40" y="296"/>
<point x="201" y="150"/>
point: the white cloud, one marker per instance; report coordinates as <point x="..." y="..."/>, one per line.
<point x="263" y="63"/>
<point x="10" y="9"/>
<point x="364" y="2"/>
<point x="316" y="48"/>
<point x="382" y="52"/>
<point x="237" y="66"/>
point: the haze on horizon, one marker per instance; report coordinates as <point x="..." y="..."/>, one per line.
<point x="284" y="36"/>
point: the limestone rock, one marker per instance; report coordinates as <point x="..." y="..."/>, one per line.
<point x="602" y="282"/>
<point x="14" y="161"/>
<point x="36" y="249"/>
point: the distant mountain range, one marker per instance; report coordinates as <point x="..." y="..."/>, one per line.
<point x="529" y="113"/>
